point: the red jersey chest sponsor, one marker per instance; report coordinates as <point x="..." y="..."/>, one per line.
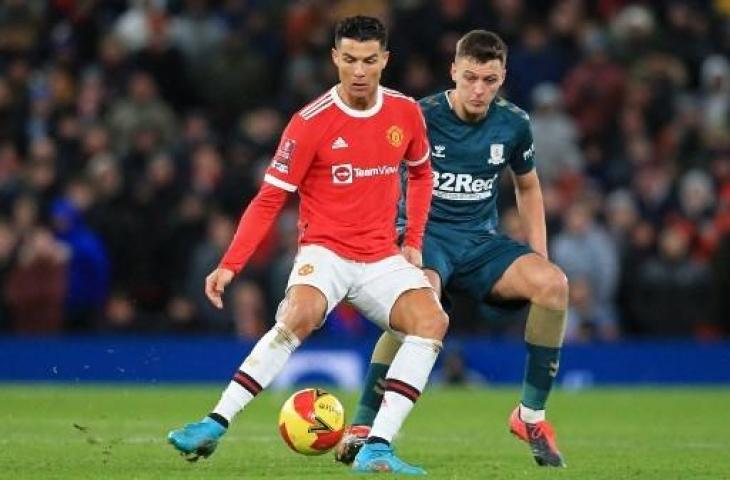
<point x="355" y="150"/>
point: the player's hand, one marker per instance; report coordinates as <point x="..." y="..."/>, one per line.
<point x="413" y="255"/>
<point x="215" y="283"/>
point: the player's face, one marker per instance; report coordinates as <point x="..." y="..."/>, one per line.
<point x="476" y="85"/>
<point x="359" y="65"/>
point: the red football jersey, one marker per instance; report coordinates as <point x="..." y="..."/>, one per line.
<point x="345" y="165"/>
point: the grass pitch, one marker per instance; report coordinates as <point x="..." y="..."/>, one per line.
<point x="119" y="432"/>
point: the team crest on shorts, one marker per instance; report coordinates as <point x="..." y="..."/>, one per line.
<point x="305" y="269"/>
<point x="394" y="135"/>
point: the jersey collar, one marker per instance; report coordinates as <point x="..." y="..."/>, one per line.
<point x="359" y="113"/>
<point x="448" y="100"/>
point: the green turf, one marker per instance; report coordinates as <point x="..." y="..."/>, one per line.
<point x="119" y="432"/>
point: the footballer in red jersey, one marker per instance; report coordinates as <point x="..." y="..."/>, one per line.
<point x="342" y="154"/>
<point x="345" y="163"/>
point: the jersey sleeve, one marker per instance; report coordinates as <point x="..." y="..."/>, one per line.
<point x="293" y="156"/>
<point x="419" y="149"/>
<point x="420" y="183"/>
<point x="523" y="155"/>
<point x="255" y="223"/>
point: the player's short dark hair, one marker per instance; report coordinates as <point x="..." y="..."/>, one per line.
<point x="482" y="46"/>
<point x="362" y="29"/>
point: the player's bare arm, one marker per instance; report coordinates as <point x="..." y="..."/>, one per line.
<point x="532" y="211"/>
<point x="255" y="223"/>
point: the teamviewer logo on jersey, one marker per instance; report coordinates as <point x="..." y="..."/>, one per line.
<point x="342" y="174"/>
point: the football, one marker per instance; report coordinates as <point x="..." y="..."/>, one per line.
<point x="312" y="421"/>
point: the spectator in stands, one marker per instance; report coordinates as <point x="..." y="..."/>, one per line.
<point x="587" y="321"/>
<point x="634" y="31"/>
<point x="716" y="95"/>
<point x="594" y="88"/>
<point x="165" y="63"/>
<point x="721" y="285"/>
<point x="25" y="214"/>
<point x="36" y="285"/>
<point x="8" y="246"/>
<point x="555" y="136"/>
<point x="113" y="65"/>
<point x="140" y="110"/>
<point x="671" y="295"/>
<point x="197" y="33"/>
<point x="584" y="250"/>
<point x="621" y="216"/>
<point x="248" y="304"/>
<point x="88" y="269"/>
<point x="534" y="60"/>
<point x="203" y="260"/>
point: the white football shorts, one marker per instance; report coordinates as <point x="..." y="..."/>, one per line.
<point x="371" y="287"/>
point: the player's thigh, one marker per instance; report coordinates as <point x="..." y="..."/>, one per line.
<point x="327" y="278"/>
<point x="525" y="278"/>
<point x="487" y="264"/>
<point x="438" y="258"/>
<point x="382" y="284"/>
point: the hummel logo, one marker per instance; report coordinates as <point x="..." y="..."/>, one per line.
<point x="438" y="151"/>
<point x="339" y="143"/>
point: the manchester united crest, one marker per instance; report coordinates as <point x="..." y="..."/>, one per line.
<point x="305" y="269"/>
<point x="394" y="135"/>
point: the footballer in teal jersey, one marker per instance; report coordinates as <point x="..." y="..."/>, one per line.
<point x="474" y="136"/>
<point x="462" y="244"/>
<point x="467" y="159"/>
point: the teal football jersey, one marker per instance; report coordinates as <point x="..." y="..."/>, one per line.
<point x="468" y="158"/>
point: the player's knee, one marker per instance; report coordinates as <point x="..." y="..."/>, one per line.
<point x="302" y="318"/>
<point x="433" y="325"/>
<point x="441" y="324"/>
<point x="554" y="288"/>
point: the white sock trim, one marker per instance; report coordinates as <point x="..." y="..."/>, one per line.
<point x="261" y="365"/>
<point x="411" y="366"/>
<point x="437" y="345"/>
<point x="529" y="415"/>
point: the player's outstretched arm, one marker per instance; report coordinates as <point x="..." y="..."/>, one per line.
<point x="253" y="227"/>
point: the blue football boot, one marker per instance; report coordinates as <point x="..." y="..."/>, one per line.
<point x="198" y="439"/>
<point x="379" y="458"/>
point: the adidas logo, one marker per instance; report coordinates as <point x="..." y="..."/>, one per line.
<point x="339" y="143"/>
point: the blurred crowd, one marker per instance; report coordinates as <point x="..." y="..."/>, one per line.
<point x="134" y="132"/>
